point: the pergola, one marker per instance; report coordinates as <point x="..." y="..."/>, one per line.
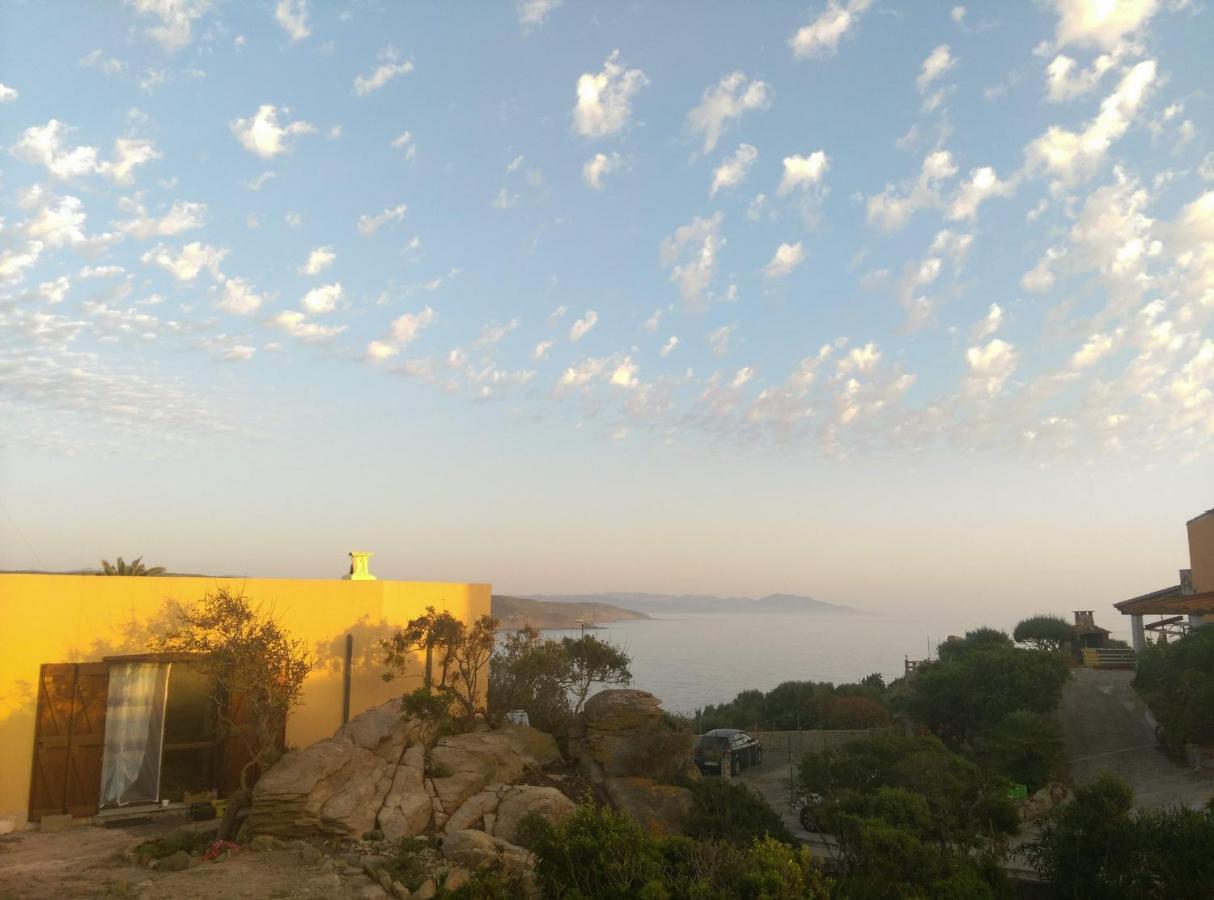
<point x="1179" y="611"/>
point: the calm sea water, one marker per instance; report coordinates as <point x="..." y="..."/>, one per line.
<point x="689" y="661"/>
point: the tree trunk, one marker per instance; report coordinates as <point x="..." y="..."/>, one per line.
<point x="237" y="802"/>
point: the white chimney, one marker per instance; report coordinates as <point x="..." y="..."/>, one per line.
<point x="360" y="560"/>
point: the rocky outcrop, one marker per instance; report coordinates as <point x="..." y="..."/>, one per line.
<point x="477" y="850"/>
<point x="498" y="809"/>
<point x="372" y="775"/>
<point x="628" y="747"/>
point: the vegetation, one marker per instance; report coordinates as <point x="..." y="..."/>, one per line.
<point x="981" y="692"/>
<point x="1177" y="682"/>
<point x="598" y="854"/>
<point x="551" y="679"/>
<point x="134" y="567"/>
<point x="255" y="667"/>
<point x="1045" y="633"/>
<point x="461" y="654"/>
<point x="728" y="811"/>
<point x="912" y="818"/>
<point x="1097" y="846"/>
<point x="797" y="705"/>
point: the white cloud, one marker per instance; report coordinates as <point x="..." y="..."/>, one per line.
<point x="181" y="217"/>
<point x="951" y="243"/>
<point x="57" y="222"/>
<point x="624" y="375"/>
<point x="322" y="299"/>
<point x="1094" y="349"/>
<point x="1040" y="278"/>
<point x="97" y="60"/>
<point x="503" y="199"/>
<point x="406" y="328"/>
<point x="958" y="14"/>
<point x="13" y="263"/>
<point x="938" y="62"/>
<point x="259" y="182"/>
<point x="129" y="153"/>
<point x="733" y="171"/>
<point x="724" y="103"/>
<point x="989" y="325"/>
<point x="604" y="99"/>
<point x="533" y="14"/>
<point x="368" y="224"/>
<point x="541" y="350"/>
<point x="263" y="135"/>
<point x="318" y="260"/>
<point x="54" y="291"/>
<point x="296" y="324"/>
<point x="239" y="297"/>
<point x="7" y="94"/>
<point x="668" y="347"/>
<point x="787" y="257"/>
<point x="862" y="360"/>
<point x="387" y="69"/>
<point x="718" y="340"/>
<point x="45" y="145"/>
<point x="803" y="172"/>
<point x="1066" y="81"/>
<point x="599" y="166"/>
<point x="404" y="141"/>
<point x="990" y="366"/>
<point x="691" y="252"/>
<point x="189" y="262"/>
<point x="821" y="36"/>
<point x="582" y="326"/>
<point x="1104" y="24"/>
<point x="982" y="185"/>
<point x="293" y="218"/>
<point x="292" y="17"/>
<point x="1072" y="157"/>
<point x="494" y="333"/>
<point x="892" y="208"/>
<point x="176" y="20"/>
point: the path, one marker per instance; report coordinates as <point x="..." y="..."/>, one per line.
<point x="1108" y="728"/>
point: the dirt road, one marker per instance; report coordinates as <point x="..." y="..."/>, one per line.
<point x="1108" y="728"/>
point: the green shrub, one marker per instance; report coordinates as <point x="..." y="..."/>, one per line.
<point x="729" y="811"/>
<point x="1177" y="682"/>
<point x="1023" y="746"/>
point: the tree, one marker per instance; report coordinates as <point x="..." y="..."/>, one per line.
<point x="1023" y="746"/>
<point x="529" y="672"/>
<point x="135" y="567"/>
<point x="255" y="667"/>
<point x="592" y="661"/>
<point x="1177" y="681"/>
<point x="1051" y="633"/>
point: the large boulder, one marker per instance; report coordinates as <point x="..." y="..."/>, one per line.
<point x="477" y="850"/>
<point x="624" y="732"/>
<point x="372" y="774"/>
<point x="522" y="800"/>
<point x="658" y="808"/>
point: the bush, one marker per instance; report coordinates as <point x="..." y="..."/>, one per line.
<point x="1177" y="682"/>
<point x="728" y="811"/>
<point x="803" y="705"/>
<point x="1023" y="746"/>
<point x="1051" y="633"/>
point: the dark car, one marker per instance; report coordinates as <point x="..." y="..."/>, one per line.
<point x="727" y="747"/>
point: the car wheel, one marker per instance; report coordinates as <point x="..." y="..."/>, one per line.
<point x="806" y="822"/>
<point x="758" y="756"/>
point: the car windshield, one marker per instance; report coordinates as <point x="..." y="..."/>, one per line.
<point x="713" y="742"/>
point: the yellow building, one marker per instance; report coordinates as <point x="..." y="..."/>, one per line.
<point x="72" y="642"/>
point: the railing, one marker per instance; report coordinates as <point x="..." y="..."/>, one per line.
<point x="1108" y="658"/>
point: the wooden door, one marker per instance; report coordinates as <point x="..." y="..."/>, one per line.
<point x="69" y="739"/>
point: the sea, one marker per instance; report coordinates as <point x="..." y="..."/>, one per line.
<point x="689" y="661"/>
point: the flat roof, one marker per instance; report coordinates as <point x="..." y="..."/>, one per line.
<point x="1167" y="601"/>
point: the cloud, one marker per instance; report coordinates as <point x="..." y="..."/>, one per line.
<point x="803" y="172"/>
<point x="7" y="94"/>
<point x="176" y="20"/>
<point x="46" y="145"/>
<point x="1094" y="349"/>
<point x="404" y="141"/>
<point x="13" y="263"/>
<point x="1040" y="278"/>
<point x="938" y="62"/>
<point x="691" y="252"/>
<point x="368" y="224"/>
<point x="494" y="333"/>
<point x="1104" y="24"/>
<point x="322" y="299"/>
<point x="983" y="184"/>
<point x="189" y="262"/>
<point x="57" y="222"/>
<point x="541" y="350"/>
<point x="318" y="260"/>
<point x="668" y="347"/>
<point x="724" y="103"/>
<point x="1066" y="81"/>
<point x="296" y="324"/>
<point x="387" y="69"/>
<point x="405" y="330"/>
<point x="292" y="17"/>
<point x="862" y="360"/>
<point x="1071" y="157"/>
<point x="892" y="208"/>
<point x="582" y="326"/>
<point x="821" y="36"/>
<point x="263" y="135"/>
<point x="181" y="217"/>
<point x="733" y="171"/>
<point x="990" y="366"/>
<point x="259" y="182"/>
<point x="239" y="297"/>
<point x="787" y="257"/>
<point x="718" y="340"/>
<point x="54" y="291"/>
<point x="989" y="325"/>
<point x="532" y="14"/>
<point x="129" y="153"/>
<point x="599" y="166"/>
<point x="604" y="99"/>
<point x="96" y="60"/>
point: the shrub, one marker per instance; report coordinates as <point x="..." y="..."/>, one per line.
<point x="728" y="811"/>
<point x="1177" y="682"/>
<point x="1045" y="633"/>
<point x="1025" y="747"/>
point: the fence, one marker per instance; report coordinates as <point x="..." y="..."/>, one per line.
<point x="795" y="744"/>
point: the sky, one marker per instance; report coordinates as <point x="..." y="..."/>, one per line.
<point x="901" y="305"/>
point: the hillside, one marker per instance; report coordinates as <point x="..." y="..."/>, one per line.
<point x="515" y="612"/>
<point x="667" y="604"/>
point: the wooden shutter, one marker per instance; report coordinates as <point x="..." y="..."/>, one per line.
<point x="69" y="739"/>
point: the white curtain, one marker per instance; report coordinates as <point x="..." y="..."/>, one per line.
<point x="134" y="732"/>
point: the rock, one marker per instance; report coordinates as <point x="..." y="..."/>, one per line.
<point x="176" y="862"/>
<point x="400" y="892"/>
<point x="385" y="880"/>
<point x="351" y="871"/>
<point x="456" y="878"/>
<point x="475" y="849"/>
<point x="522" y="800"/>
<point x="262" y="843"/>
<point x="406" y="809"/>
<point x="471" y="812"/>
<point x="326" y="885"/>
<point x="623" y="733"/>
<point x="427" y="891"/>
<point x="480" y="758"/>
<point x="372" y="863"/>
<point x="309" y="854"/>
<point x="371" y="892"/>
<point x="658" y="808"/>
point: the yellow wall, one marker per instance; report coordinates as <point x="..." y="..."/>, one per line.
<point x="82" y="618"/>
<point x="1201" y="552"/>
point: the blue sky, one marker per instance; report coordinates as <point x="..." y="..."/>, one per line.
<point x="578" y="296"/>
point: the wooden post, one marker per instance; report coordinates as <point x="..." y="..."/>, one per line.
<point x="345" y="680"/>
